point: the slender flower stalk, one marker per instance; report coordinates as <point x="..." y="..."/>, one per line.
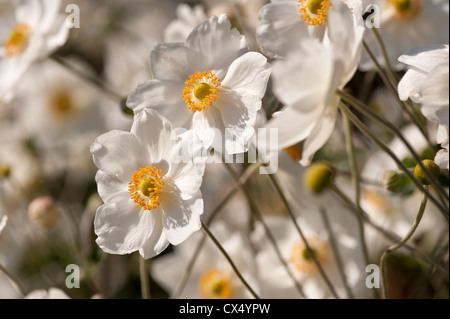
<point x="256" y="212"/>
<point x="381" y="145"/>
<point x="386" y="233"/>
<point x="225" y="254"/>
<point x="374" y="116"/>
<point x="413" y="115"/>
<point x="391" y="249"/>
<point x="305" y="242"/>
<point x="355" y="179"/>
<point x="336" y="253"/>
<point x="145" y="280"/>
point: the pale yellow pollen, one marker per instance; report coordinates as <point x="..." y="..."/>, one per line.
<point x="314" y="12"/>
<point x="201" y="90"/>
<point x="17" y="40"/>
<point x="405" y="9"/>
<point x="145" y="187"/>
<point x="215" y="285"/>
<point x="301" y="258"/>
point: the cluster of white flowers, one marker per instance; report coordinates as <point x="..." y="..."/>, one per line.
<point x="116" y="139"/>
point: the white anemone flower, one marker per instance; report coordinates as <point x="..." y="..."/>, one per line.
<point x="427" y="83"/>
<point x="150" y="199"/>
<point x="37" y="30"/>
<point x="285" y="23"/>
<point x="212" y="276"/>
<point x="208" y="84"/>
<point x="274" y="277"/>
<point x="307" y="80"/>
<point x="404" y="25"/>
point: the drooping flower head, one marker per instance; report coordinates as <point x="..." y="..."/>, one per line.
<point x="283" y="24"/>
<point x="211" y="82"/>
<point x="307" y="80"/>
<point x="150" y="198"/>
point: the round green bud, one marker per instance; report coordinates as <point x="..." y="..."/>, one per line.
<point x="318" y="176"/>
<point x="431" y="167"/>
<point x="397" y="183"/>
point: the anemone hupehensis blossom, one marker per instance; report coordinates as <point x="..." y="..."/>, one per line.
<point x="150" y="198"/>
<point x="207" y="84"/>
<point x="306" y="83"/>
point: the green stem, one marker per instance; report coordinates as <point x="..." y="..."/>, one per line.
<point x="256" y="212"/>
<point x="248" y="172"/>
<point x="230" y="261"/>
<point x="360" y="106"/>
<point x="388" y="235"/>
<point x="393" y="89"/>
<point x="299" y="230"/>
<point x="143" y="274"/>
<point x="355" y="181"/>
<point x="336" y="253"/>
<point x="386" y="254"/>
<point x="383" y="51"/>
<point x="386" y="149"/>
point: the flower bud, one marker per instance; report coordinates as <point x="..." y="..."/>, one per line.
<point x="318" y="176"/>
<point x="397" y="183"/>
<point x="432" y="169"/>
<point x="43" y="212"/>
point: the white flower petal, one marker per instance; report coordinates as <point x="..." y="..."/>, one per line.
<point x="29" y="12"/>
<point x="279" y="23"/>
<point x="155" y="132"/>
<point x="408" y="86"/>
<point x="109" y="151"/>
<point x="161" y="96"/>
<point x="181" y="218"/>
<point x="296" y="122"/>
<point x="217" y="44"/>
<point x="426" y="58"/>
<point x="300" y="73"/>
<point x="121" y="227"/>
<point x="434" y="94"/>
<point x="157" y="242"/>
<point x="251" y="72"/>
<point x="168" y="61"/>
<point x="109" y="184"/>
<point x="187" y="177"/>
<point x="207" y="126"/>
<point x="442" y="159"/>
<point x="320" y="134"/>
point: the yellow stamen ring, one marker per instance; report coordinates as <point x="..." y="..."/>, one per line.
<point x="301" y="258"/>
<point x="201" y="90"/>
<point x="215" y="285"/>
<point x="406" y="9"/>
<point x="145" y="187"/>
<point x="18" y="40"/>
<point x="314" y="12"/>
